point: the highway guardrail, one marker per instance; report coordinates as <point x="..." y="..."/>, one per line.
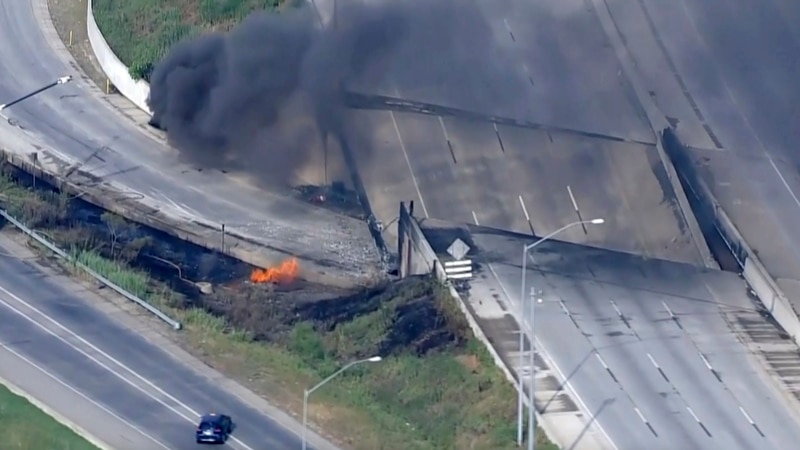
<point x="683" y="177"/>
<point x="758" y="278"/>
<point x="105" y="281"/>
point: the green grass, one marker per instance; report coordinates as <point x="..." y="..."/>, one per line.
<point x="141" y="31"/>
<point x="456" y="399"/>
<point x="26" y="427"/>
<point x="444" y="401"/>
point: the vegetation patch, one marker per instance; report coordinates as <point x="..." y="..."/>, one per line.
<point x="436" y="387"/>
<point x="141" y="31"/>
<point x="26" y="427"/>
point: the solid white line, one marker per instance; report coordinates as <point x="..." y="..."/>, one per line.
<point x="408" y="163"/>
<point x="524" y="209"/>
<point x="705" y="361"/>
<point x="563" y="305"/>
<point x="572" y="198"/>
<point x="641" y="416"/>
<point x="746" y="416"/>
<point x="652" y="360"/>
<point x="82" y="395"/>
<point x="106" y="355"/>
<point x="444" y="129"/>
<point x="741" y="113"/>
<point x="669" y="311"/>
<point x="543" y="351"/>
<point x="475" y="218"/>
<point x="616" y="308"/>
<point x="693" y="414"/>
<point x="601" y="360"/>
<point x="780" y="175"/>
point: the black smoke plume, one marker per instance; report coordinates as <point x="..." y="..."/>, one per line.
<point x="259" y="96"/>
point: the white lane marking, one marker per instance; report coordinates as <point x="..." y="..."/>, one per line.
<point x="697" y="419"/>
<point x="524" y="209"/>
<point x="444" y="129"/>
<point x="572" y="198"/>
<point x="741" y="113"/>
<point x="581" y="404"/>
<point x="669" y="311"/>
<point x="560" y="302"/>
<point x="82" y="395"/>
<point x="746" y="416"/>
<point x="652" y="360"/>
<point x="616" y="309"/>
<point x="106" y="355"/>
<point x="705" y="361"/>
<point x="508" y="27"/>
<point x="475" y="218"/>
<point x="605" y="366"/>
<point x="641" y="416"/>
<point x="408" y="163"/>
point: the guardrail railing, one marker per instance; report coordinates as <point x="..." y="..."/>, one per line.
<point x="110" y="284"/>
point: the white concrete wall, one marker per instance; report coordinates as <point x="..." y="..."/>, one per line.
<point x="135" y="91"/>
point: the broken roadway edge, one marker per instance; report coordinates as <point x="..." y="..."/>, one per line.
<point x="245" y="249"/>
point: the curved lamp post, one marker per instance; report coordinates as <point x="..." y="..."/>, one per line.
<point x="62" y="80"/>
<point x="532" y="407"/>
<point x="325" y="381"/>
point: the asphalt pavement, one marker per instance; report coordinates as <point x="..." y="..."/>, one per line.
<point x="646" y="345"/>
<point x="725" y="73"/>
<point x="142" y="397"/>
<point x="545" y="62"/>
<point x="77" y="124"/>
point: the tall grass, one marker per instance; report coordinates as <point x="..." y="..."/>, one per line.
<point x="133" y="281"/>
<point x="141" y="31"/>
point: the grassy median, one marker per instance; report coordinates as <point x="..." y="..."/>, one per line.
<point x="26" y="427"/>
<point x="437" y="387"/>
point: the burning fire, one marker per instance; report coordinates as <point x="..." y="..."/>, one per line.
<point x="281" y="274"/>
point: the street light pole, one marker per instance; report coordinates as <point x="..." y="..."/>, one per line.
<point x="308" y="392"/>
<point x="531" y="398"/>
<point x="62" y="80"/>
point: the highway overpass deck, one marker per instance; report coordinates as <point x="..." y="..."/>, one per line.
<point x="546" y="63"/>
<point x="76" y="131"/>
<point x="524" y="180"/>
<point x="725" y="75"/>
<point x="660" y="354"/>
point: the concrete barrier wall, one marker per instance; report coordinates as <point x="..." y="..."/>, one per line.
<point x="711" y="215"/>
<point x="117" y="72"/>
<point x="417" y="257"/>
<point x="707" y="210"/>
<point x="425" y="261"/>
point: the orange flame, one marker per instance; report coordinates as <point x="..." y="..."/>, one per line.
<point x="286" y="272"/>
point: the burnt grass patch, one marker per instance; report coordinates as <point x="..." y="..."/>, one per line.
<point x="413" y="315"/>
<point x="436" y="388"/>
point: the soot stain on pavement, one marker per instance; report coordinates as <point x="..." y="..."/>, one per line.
<point x="262" y="96"/>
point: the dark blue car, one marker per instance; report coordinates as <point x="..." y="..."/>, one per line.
<point x="214" y="429"/>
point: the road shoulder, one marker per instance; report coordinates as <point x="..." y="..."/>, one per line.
<point x="130" y="316"/>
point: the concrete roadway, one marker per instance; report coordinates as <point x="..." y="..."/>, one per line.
<point x="77" y="124"/>
<point x="731" y="67"/>
<point x="547" y="62"/>
<point x="640" y="341"/>
<point x="137" y="395"/>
